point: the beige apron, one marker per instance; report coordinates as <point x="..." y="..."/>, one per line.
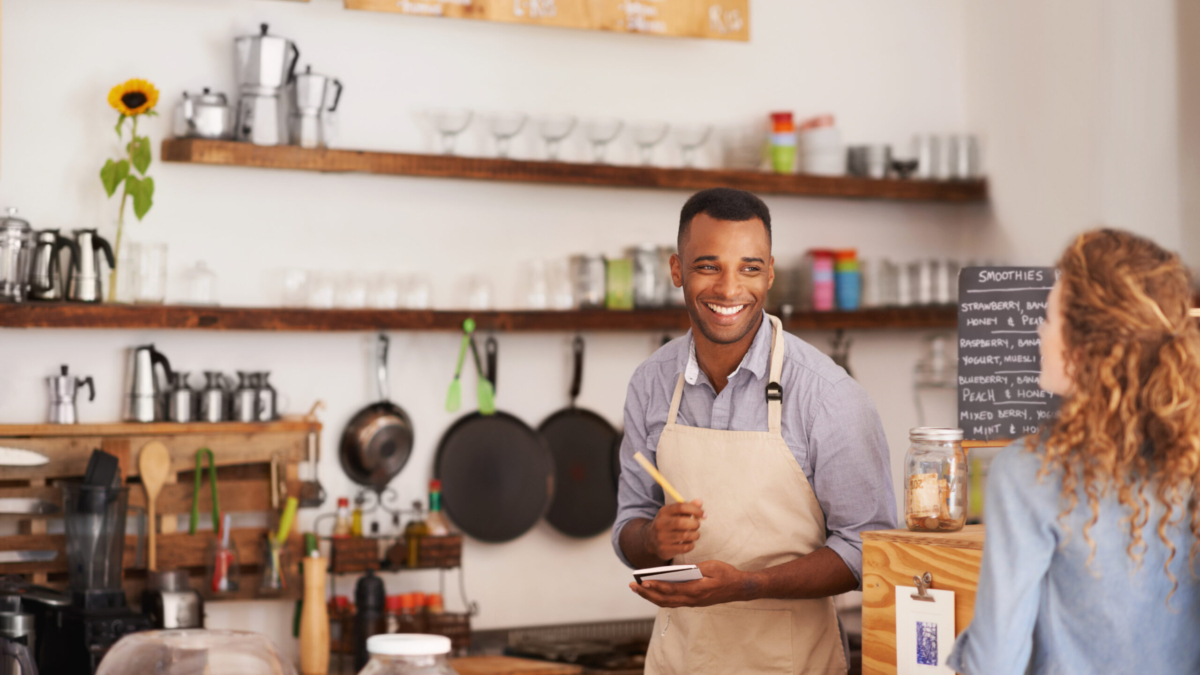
<point x="760" y="512"/>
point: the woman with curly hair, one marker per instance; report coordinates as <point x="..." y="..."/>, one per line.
<point x="1093" y="526"/>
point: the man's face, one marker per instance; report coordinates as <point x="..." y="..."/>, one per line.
<point x="725" y="269"/>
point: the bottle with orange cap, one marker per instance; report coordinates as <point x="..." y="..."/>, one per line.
<point x="436" y="521"/>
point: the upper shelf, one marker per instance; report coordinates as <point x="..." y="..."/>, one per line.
<point x="77" y="315"/>
<point x="230" y="153"/>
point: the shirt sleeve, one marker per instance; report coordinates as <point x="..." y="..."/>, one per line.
<point x="851" y="470"/>
<point x="638" y="496"/>
<point x="1017" y="552"/>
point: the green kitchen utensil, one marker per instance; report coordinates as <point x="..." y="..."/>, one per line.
<point x="483" y="386"/>
<point x="212" y="479"/>
<point x="454" y="396"/>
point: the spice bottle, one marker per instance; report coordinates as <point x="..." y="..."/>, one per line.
<point x="408" y="615"/>
<point x="356" y="521"/>
<point x="935" y="480"/>
<point x="436" y="522"/>
<point x="414" y="532"/>
<point x="342" y="526"/>
<point x="393" y="606"/>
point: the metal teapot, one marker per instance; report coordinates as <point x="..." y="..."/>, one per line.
<point x="204" y="115"/>
<point x="48" y="278"/>
<point x="84" y="283"/>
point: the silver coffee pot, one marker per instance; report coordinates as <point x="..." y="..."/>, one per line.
<point x="314" y="98"/>
<point x="245" y="397"/>
<point x="204" y="115"/>
<point x="63" y="390"/>
<point x="17" y="644"/>
<point x="181" y="399"/>
<point x="47" y="278"/>
<point x="214" y="397"/>
<point x="142" y="392"/>
<point x="16" y="254"/>
<point x="84" y="283"/>
<point x="267" y="399"/>
<point x="265" y="64"/>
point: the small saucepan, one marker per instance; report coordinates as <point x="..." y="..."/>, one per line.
<point x="377" y="442"/>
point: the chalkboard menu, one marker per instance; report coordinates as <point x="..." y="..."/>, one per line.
<point x="999" y="311"/>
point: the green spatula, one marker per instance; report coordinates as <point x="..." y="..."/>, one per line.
<point x="454" y="396"/>
<point x="484" y="390"/>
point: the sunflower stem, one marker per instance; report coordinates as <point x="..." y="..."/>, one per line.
<point x="112" y="274"/>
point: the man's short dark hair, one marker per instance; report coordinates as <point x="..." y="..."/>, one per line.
<point x="723" y="204"/>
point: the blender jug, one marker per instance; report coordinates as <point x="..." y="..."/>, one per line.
<point x="95" y="527"/>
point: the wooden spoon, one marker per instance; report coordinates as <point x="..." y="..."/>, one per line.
<point x="154" y="464"/>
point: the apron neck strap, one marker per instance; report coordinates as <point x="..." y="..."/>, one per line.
<point x="774" y="388"/>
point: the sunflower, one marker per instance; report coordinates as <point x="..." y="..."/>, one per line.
<point x="134" y="97"/>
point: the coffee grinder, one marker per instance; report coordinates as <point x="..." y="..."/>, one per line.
<point x="98" y="614"/>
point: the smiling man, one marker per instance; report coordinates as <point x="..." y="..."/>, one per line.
<point x="782" y="454"/>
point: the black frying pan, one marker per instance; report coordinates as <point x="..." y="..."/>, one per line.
<point x="497" y="474"/>
<point x="583" y="444"/>
<point x="378" y="440"/>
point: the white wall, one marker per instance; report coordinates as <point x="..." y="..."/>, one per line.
<point x="1078" y="103"/>
<point x="887" y="70"/>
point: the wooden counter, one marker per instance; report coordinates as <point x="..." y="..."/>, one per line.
<point x="507" y="665"/>
<point x="892" y="558"/>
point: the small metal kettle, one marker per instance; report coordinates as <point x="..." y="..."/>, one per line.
<point x="83" y="283"/>
<point x="142" y="390"/>
<point x="47" y="278"/>
<point x="63" y="389"/>
<point x="204" y="115"/>
<point x="214" y="397"/>
<point x="245" y="397"/>
<point x="181" y="399"/>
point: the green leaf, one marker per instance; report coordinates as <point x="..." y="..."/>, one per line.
<point x="113" y="174"/>
<point x="120" y="122"/>
<point x="139" y="151"/>
<point x="143" y="199"/>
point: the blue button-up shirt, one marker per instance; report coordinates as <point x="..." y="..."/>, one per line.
<point x="829" y="423"/>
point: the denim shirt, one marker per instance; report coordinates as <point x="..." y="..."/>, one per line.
<point x="1040" y="608"/>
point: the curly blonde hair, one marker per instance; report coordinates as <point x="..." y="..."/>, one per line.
<point x="1132" y="420"/>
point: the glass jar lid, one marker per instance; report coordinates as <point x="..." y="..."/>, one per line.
<point x="408" y="644"/>
<point x="935" y="434"/>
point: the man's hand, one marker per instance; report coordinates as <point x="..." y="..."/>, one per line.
<point x="721" y="583"/>
<point x="674" y="530"/>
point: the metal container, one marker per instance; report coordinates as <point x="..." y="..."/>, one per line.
<point x="171" y="602"/>
<point x="84" y="283"/>
<point x="16" y="657"/>
<point x="935" y="481"/>
<point x="47" y="279"/>
<point x="265" y="60"/>
<point x="267" y="398"/>
<point x="17" y="243"/>
<point x="204" y="115"/>
<point x="589" y="280"/>
<point x="648" y="286"/>
<point x="245" y="398"/>
<point x="142" y="391"/>
<point x="181" y="399"/>
<point x="214" y="398"/>
<point x="63" y="390"/>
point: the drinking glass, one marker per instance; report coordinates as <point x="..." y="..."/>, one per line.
<point x="535" y="285"/>
<point x="385" y="291"/>
<point x="479" y="293"/>
<point x="418" y="292"/>
<point x="553" y="129"/>
<point x="648" y="135"/>
<point x="504" y="127"/>
<point x="450" y="122"/>
<point x="201" y="285"/>
<point x="320" y="290"/>
<point x="351" y="291"/>
<point x="562" y="296"/>
<point x="295" y="288"/>
<point x="601" y="132"/>
<point x="690" y="138"/>
<point x="149" y="273"/>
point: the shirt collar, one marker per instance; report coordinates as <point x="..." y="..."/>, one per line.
<point x="756" y="360"/>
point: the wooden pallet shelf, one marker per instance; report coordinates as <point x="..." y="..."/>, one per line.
<point x="74" y="315"/>
<point x="230" y="153"/>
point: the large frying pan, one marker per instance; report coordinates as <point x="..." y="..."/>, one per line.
<point x="583" y="444"/>
<point x="497" y="474"/>
<point x="378" y="440"/>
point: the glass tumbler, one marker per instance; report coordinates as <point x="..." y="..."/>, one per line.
<point x="149" y="272"/>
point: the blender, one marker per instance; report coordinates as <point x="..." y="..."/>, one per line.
<point x="98" y="614"/>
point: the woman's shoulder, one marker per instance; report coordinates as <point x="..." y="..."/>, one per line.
<point x="1016" y="473"/>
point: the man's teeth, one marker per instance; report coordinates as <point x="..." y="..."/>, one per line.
<point x="727" y="311"/>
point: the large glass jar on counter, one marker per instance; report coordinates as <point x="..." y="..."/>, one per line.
<point x="408" y="655"/>
<point x="935" y="480"/>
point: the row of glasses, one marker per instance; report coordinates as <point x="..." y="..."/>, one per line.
<point x="355" y="290"/>
<point x="554" y="129"/>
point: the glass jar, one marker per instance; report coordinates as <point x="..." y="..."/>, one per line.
<point x="935" y="480"/>
<point x="588" y="278"/>
<point x="411" y="654"/>
<point x="648" y="287"/>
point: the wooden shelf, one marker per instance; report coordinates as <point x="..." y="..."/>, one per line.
<point x="230" y="153"/>
<point x="75" y="315"/>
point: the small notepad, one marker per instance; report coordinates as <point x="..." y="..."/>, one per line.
<point x="924" y="632"/>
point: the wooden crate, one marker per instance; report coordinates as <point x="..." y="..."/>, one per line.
<point x="242" y="454"/>
<point x="892" y="558"/>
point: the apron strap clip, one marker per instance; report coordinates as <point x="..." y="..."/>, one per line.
<point x="774" y="392"/>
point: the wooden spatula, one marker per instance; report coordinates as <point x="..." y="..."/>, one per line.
<point x="154" y="464"/>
